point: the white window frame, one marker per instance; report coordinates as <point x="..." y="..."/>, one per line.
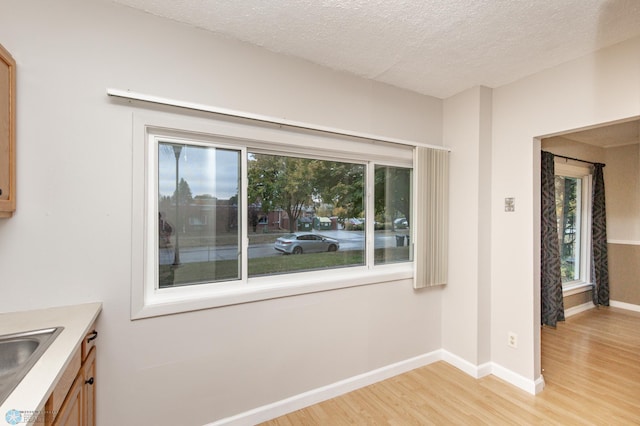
<point x="562" y="168"/>
<point x="149" y="301"/>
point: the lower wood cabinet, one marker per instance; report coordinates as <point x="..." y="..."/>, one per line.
<point x="89" y="390"/>
<point x="71" y="410"/>
<point x="72" y="403"/>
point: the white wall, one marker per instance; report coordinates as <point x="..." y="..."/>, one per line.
<point x="466" y="299"/>
<point x="595" y="89"/>
<point x="70" y="240"/>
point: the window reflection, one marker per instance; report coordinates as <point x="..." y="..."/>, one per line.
<point x="198" y="233"/>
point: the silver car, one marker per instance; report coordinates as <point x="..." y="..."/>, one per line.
<point x="305" y="242"/>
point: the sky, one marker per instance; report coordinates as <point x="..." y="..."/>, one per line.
<point x="207" y="170"/>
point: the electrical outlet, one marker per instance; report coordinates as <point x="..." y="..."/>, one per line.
<point x="512" y="340"/>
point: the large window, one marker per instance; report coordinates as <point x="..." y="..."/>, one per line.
<point x="229" y="219"/>
<point x="573" y="204"/>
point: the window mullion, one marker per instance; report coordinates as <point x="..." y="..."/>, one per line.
<point x="244" y="224"/>
<point x="370" y="215"/>
<point x="152" y="273"/>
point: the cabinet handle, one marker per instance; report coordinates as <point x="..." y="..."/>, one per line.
<point x="94" y="334"/>
<point x="89" y="382"/>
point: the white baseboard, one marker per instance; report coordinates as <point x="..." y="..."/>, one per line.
<point x="534" y="387"/>
<point x="624" y="305"/>
<point x="589" y="305"/>
<point x="315" y="396"/>
<point x="577" y="309"/>
<point x="475" y="371"/>
<point x="624" y="242"/>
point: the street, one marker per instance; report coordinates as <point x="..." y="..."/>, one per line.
<point x="349" y="240"/>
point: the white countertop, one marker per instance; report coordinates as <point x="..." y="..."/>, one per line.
<point x="32" y="392"/>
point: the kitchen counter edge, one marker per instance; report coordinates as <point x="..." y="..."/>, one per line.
<point x="31" y="394"/>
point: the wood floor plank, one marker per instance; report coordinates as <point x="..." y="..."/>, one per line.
<point x="591" y="366"/>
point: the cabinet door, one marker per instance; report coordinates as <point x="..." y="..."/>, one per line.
<point x="7" y="134"/>
<point x="89" y="389"/>
<point x="70" y="413"/>
<point x="61" y="393"/>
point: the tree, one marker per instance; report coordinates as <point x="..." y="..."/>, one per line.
<point x="567" y="213"/>
<point x="342" y="185"/>
<point x="281" y="182"/>
<point x="184" y="193"/>
<point x="292" y="184"/>
<point x="393" y="192"/>
<point x="254" y="217"/>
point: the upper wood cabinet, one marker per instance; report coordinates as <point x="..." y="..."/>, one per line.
<point x="7" y="134"/>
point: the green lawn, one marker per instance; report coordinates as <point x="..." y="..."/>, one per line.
<point x="222" y="270"/>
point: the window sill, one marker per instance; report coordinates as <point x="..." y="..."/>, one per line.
<point x="182" y="299"/>
<point x="570" y="289"/>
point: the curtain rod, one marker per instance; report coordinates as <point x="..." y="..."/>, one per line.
<point x="126" y="94"/>
<point x="575" y="159"/>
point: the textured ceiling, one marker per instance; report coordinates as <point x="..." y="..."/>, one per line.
<point x="609" y="136"/>
<point x="434" y="47"/>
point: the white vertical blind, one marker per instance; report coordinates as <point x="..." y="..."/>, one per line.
<point x="432" y="219"/>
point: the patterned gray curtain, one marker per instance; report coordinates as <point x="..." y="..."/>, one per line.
<point x="599" y="262"/>
<point x="550" y="275"/>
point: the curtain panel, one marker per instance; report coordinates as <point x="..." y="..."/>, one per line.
<point x="599" y="253"/>
<point x="432" y="198"/>
<point x="550" y="276"/>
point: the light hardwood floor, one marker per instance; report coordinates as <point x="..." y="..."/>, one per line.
<point x="591" y="366"/>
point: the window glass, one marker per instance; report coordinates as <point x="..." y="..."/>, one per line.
<point x="304" y="214"/>
<point x="569" y="213"/>
<point x="198" y="214"/>
<point x="392" y="224"/>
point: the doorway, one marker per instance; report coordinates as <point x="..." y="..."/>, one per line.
<point x="617" y="146"/>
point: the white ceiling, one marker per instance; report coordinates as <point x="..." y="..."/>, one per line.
<point x="434" y="47"/>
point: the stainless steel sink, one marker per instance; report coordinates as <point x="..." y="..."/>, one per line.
<point x="19" y="352"/>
